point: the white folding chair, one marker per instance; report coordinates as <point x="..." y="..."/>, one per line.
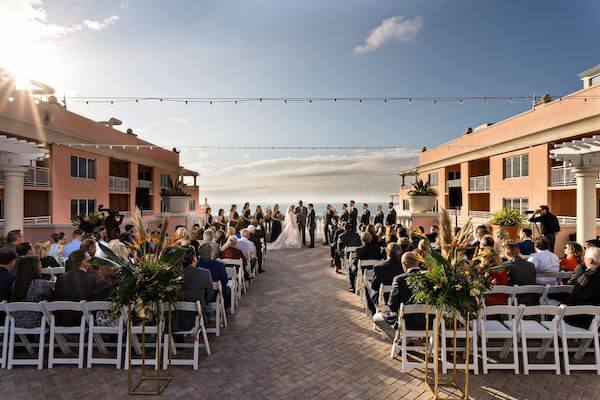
<point x="502" y="289"/>
<point x="56" y="331"/>
<point x="502" y="326"/>
<point x="53" y="272"/>
<point x="235" y="288"/>
<point x="361" y="268"/>
<point x="553" y="275"/>
<point x="11" y="309"/>
<point x="198" y="329"/>
<point x="347" y="256"/>
<point x="448" y="333"/>
<point x="552" y="290"/>
<point x="546" y="331"/>
<point x="132" y="337"/>
<point x="383" y="290"/>
<point x="241" y="280"/>
<point x="4" y="332"/>
<point x="585" y="336"/>
<point x="95" y="333"/>
<point x="218" y="307"/>
<point x="367" y="279"/>
<point x="402" y="334"/>
<point x="538" y="290"/>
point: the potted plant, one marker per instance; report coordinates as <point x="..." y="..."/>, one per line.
<point x="507" y="219"/>
<point x="175" y="196"/>
<point x="422" y="196"/>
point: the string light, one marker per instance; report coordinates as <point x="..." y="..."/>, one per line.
<point x="11" y="99"/>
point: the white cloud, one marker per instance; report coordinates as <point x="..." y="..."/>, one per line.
<point x="126" y="3"/>
<point x="397" y="28"/>
<point x="178" y="120"/>
<point x="368" y="176"/>
<point x="100" y="25"/>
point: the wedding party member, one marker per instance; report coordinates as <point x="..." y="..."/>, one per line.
<point x="391" y="217"/>
<point x="311" y="224"/>
<point x="246" y="217"/>
<point x="259" y="216"/>
<point x="345" y="214"/>
<point x="544" y="261"/>
<point x="29" y="286"/>
<point x="7" y="273"/>
<point x="353" y="215"/>
<point x="586" y="289"/>
<point x="549" y="224"/>
<point x="378" y="220"/>
<point x="328" y="223"/>
<point x="526" y="245"/>
<point x="383" y="273"/>
<point x="365" y="218"/>
<point x="233" y="216"/>
<point x="348" y="238"/>
<point x="208" y="218"/>
<point x="290" y="237"/>
<point x="368" y="251"/>
<point x="13" y="239"/>
<point x="220" y="223"/>
<point x="276" y="217"/>
<point x="301" y="214"/>
<point x="217" y="271"/>
<point x="573" y="256"/>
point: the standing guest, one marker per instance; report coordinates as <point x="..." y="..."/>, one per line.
<point x="526" y="245"/>
<point x="365" y="218"/>
<point x="74" y="244"/>
<point x="42" y="248"/>
<point x="353" y="215"/>
<point x="230" y="251"/>
<point x="379" y="217"/>
<point x="277" y="217"/>
<point x="29" y="286"/>
<point x="13" y="239"/>
<point x="348" y="238"/>
<point x="208" y="237"/>
<point x="328" y="223"/>
<point x="391" y="217"/>
<point x="59" y="239"/>
<point x="208" y="218"/>
<point x="7" y="273"/>
<point x="74" y="285"/>
<point x="545" y="261"/>
<point x="549" y="225"/>
<point x="220" y="220"/>
<point x="253" y="236"/>
<point x="311" y="224"/>
<point x="233" y="215"/>
<point x="573" y="256"/>
<point x="217" y="270"/>
<point x="383" y="273"/>
<point x="586" y="289"/>
<point x="24" y="249"/>
<point x="368" y="251"/>
<point x="520" y="272"/>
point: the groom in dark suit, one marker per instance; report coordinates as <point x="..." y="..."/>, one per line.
<point x="301" y="213"/>
<point x="311" y="223"/>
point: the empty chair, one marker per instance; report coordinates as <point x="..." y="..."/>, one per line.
<point x="461" y="333"/>
<point x="58" y="329"/>
<point x="199" y="329"/>
<point x="527" y="294"/>
<point x="585" y="336"/>
<point x="218" y="307"/>
<point x="502" y="325"/>
<point x="235" y="289"/>
<point x="361" y="268"/>
<point x="239" y="267"/>
<point x="40" y="331"/>
<point x="402" y="334"/>
<point x="546" y="331"/>
<point x="96" y="331"/>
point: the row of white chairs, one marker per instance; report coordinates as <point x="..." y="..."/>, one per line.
<point x="515" y="326"/>
<point x="543" y="293"/>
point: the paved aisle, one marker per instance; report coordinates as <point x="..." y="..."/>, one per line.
<point x="299" y="334"/>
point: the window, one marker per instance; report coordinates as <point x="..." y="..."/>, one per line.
<point x="595" y="80"/>
<point x="405" y="204"/>
<point x="452" y="175"/>
<point x="82" y="207"/>
<point x="82" y="167"/>
<point x="433" y="179"/>
<point x="192" y="205"/>
<point x="517" y="203"/>
<point x="164" y="180"/>
<point x="516" y="166"/>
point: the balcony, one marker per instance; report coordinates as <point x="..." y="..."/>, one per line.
<point x="479" y="183"/>
<point x="564" y="176"/>
<point x="118" y="184"/>
<point x="45" y="219"/>
<point x="145" y="184"/>
<point x="452" y="183"/>
<point x="480" y="214"/>
<point x="35" y="176"/>
<point x="147" y="212"/>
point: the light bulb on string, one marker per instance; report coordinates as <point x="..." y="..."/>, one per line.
<point x="409" y="100"/>
<point x="285" y="101"/>
<point x="310" y="101"/>
<point x="384" y="101"/>
<point x="11" y="99"/>
<point x="510" y="100"/>
<point x="335" y="100"/>
<point x="483" y="99"/>
<point x="434" y="102"/>
<point x="460" y="101"/>
<point x="359" y="101"/>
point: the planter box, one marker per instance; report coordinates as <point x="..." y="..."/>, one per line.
<point x="421" y="204"/>
<point x="513" y="231"/>
<point x="175" y="204"/>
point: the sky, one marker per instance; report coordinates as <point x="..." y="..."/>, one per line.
<point x="271" y="48"/>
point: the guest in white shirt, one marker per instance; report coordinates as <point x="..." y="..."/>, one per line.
<point x="545" y="261"/>
<point x="100" y="235"/>
<point x="246" y="245"/>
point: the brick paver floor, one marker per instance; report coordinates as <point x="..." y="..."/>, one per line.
<point x="298" y="335"/>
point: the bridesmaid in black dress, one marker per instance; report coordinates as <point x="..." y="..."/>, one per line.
<point x="208" y="218"/>
<point x="246" y="216"/>
<point x="233" y="216"/>
<point x="276" y="224"/>
<point x="220" y="220"/>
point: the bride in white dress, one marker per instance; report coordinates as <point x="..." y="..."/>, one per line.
<point x="290" y="237"/>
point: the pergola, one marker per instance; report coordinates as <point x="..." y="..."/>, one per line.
<point x="584" y="156"/>
<point x="15" y="156"/>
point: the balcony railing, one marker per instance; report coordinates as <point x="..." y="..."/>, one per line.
<point x="35" y="176"/>
<point x="145" y="184"/>
<point x="118" y="184"/>
<point x="452" y="183"/>
<point x="147" y="212"/>
<point x="479" y="214"/>
<point x="479" y="183"/>
<point x="45" y="219"/>
<point x="564" y="176"/>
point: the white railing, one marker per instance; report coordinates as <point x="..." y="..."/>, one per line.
<point x="147" y="212"/>
<point x="452" y="183"/>
<point x="145" y="184"/>
<point x="564" y="176"/>
<point x="572" y="220"/>
<point x="45" y="219"/>
<point x="35" y="176"/>
<point x="479" y="214"/>
<point x="118" y="184"/>
<point x="479" y="183"/>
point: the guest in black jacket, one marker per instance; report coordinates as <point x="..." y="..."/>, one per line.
<point x="75" y="285"/>
<point x="337" y="232"/>
<point x="255" y="238"/>
<point x="383" y="273"/>
<point x="520" y="272"/>
<point x="586" y="290"/>
<point x="368" y="251"/>
<point x="7" y="275"/>
<point x="348" y="238"/>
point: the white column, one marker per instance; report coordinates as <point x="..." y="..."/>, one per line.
<point x="14" y="194"/>
<point x="586" y="203"/>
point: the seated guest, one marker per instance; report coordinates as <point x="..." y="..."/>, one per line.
<point x="401" y="294"/>
<point x="383" y="273"/>
<point x="74" y="244"/>
<point x="520" y="272"/>
<point x="473" y="249"/>
<point x="254" y="237"/>
<point x="13" y="239"/>
<point x="207" y="237"/>
<point x="390" y="235"/>
<point x="179" y="234"/>
<point x="88" y="246"/>
<point x="24" y="249"/>
<point x="573" y="256"/>
<point x="349" y="238"/>
<point x="7" y="274"/>
<point x="100" y="235"/>
<point x="586" y="290"/>
<point x="57" y="246"/>
<point x="488" y="259"/>
<point x="29" y="286"/>
<point x="220" y="238"/>
<point x="119" y="248"/>
<point x="368" y="251"/>
<point x="75" y="285"/>
<point x="526" y="245"/>
<point x="197" y="287"/>
<point x="230" y="251"/>
<point x="247" y="247"/>
<point x="41" y="251"/>
<point x="217" y="270"/>
<point x="545" y="261"/>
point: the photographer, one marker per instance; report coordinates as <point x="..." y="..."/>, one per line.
<point x="112" y="222"/>
<point x="549" y="225"/>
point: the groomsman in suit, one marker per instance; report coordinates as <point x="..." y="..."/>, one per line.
<point x="353" y="215"/>
<point x="391" y="217"/>
<point x="301" y="214"/>
<point x="345" y="215"/>
<point x="311" y="223"/>
<point x="365" y="218"/>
